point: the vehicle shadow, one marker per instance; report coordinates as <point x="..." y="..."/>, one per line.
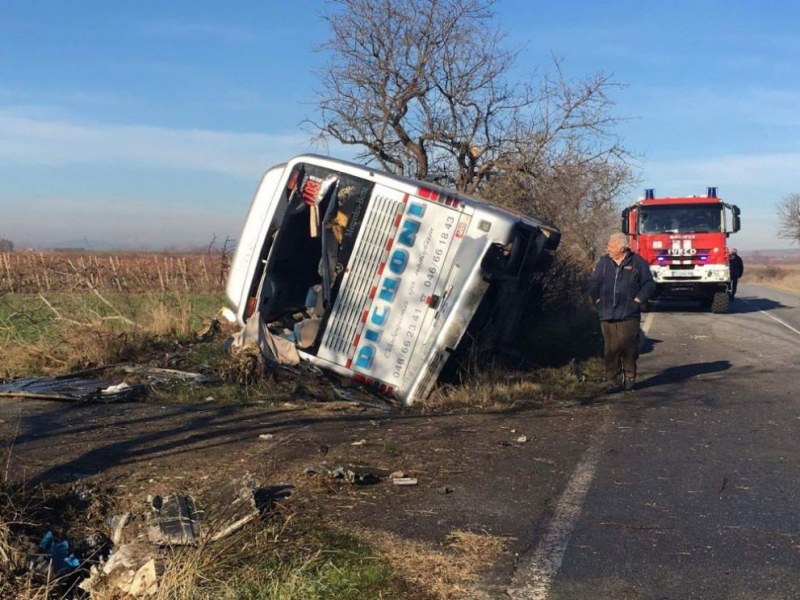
<point x="741" y="305"/>
<point x="681" y="373"/>
<point x="751" y="304"/>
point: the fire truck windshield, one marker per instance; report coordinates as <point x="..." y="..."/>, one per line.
<point x="680" y="219"/>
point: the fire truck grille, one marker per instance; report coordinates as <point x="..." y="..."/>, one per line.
<point x="369" y="252"/>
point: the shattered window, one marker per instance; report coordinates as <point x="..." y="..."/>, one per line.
<point x="313" y="241"/>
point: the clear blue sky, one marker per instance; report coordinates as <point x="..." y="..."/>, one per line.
<point x="141" y="123"/>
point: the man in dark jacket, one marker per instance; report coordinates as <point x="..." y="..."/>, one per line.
<point x="737" y="270"/>
<point x="620" y="283"/>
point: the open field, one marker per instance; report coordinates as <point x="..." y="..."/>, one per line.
<point x="785" y="276"/>
<point x="48" y="272"/>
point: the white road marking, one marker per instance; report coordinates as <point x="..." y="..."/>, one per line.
<point x="776" y="319"/>
<point x="534" y="577"/>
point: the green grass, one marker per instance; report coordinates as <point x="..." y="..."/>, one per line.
<point x="33" y="317"/>
<point x="331" y="565"/>
<point x="61" y="333"/>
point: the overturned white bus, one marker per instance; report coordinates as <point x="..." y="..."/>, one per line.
<point x="377" y="277"/>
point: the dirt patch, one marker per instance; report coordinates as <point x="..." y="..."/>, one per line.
<point x="488" y="474"/>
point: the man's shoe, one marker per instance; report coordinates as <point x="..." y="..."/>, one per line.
<point x="629" y="384"/>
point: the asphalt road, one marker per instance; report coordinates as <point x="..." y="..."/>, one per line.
<point x="690" y="487"/>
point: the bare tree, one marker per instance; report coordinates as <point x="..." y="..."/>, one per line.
<point x="422" y="87"/>
<point x="6" y="245"/>
<point x="789" y="217"/>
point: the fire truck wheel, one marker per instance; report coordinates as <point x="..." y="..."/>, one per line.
<point x="721" y="303"/>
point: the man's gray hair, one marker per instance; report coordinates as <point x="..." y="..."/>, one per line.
<point x="619" y="239"/>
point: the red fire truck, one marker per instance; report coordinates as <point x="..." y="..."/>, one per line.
<point x="684" y="242"/>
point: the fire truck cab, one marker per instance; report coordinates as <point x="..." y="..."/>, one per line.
<point x="684" y="242"/>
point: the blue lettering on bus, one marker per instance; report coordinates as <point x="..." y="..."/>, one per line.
<point x="365" y="357"/>
<point x="379" y="315"/>
<point x="389" y="289"/>
<point x="398" y="262"/>
<point x="408" y="232"/>
<point x="416" y="210"/>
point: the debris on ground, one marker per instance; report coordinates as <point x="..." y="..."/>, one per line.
<point x="161" y="375"/>
<point x="400" y="478"/>
<point x="128" y="558"/>
<point x="179" y="520"/>
<point x="55" y="557"/>
<point x="404" y="481"/>
<point x="576" y="371"/>
<point x="79" y="387"/>
<point x="356" y="475"/>
<point x="174" y="520"/>
<point x="71" y="388"/>
<point x="131" y="568"/>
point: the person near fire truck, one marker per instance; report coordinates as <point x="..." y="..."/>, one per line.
<point x="737" y="270"/>
<point x="620" y="283"/>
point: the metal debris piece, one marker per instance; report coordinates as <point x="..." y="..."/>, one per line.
<point x="162" y="375"/>
<point x="178" y="519"/>
<point x="175" y="520"/>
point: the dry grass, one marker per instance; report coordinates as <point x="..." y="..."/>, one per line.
<point x="498" y="388"/>
<point x="63" y="333"/>
<point x="129" y="272"/>
<point x="786" y="276"/>
<point x="450" y="571"/>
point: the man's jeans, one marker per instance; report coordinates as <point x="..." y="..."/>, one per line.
<point x="621" y="348"/>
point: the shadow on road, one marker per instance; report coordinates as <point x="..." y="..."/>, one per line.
<point x="750" y="304"/>
<point x="741" y="305"/>
<point x="648" y="344"/>
<point x="681" y="373"/>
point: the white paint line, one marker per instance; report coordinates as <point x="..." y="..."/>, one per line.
<point x="776" y="319"/>
<point x="534" y="577"/>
